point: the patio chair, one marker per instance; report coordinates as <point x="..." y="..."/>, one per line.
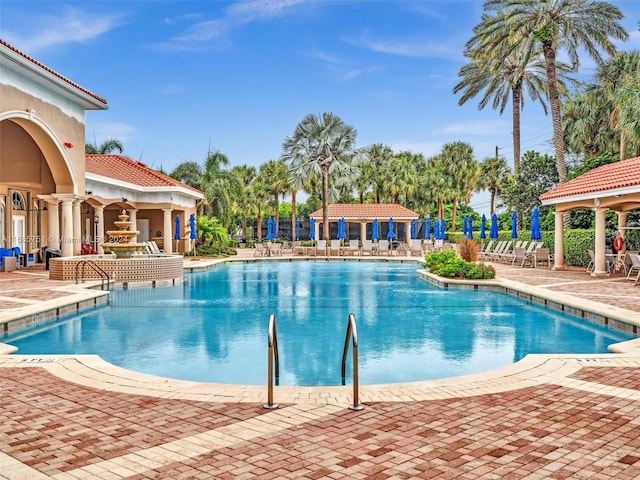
<point x="383" y="247"/>
<point x="354" y="247"/>
<point x="321" y="247"/>
<point x="367" y="247"/>
<point x="542" y="256"/>
<point x="334" y="247"/>
<point x="154" y="247"/>
<point x="495" y="254"/>
<point x="275" y="249"/>
<point x="260" y="250"/>
<point x="628" y="261"/>
<point x="635" y="265"/>
<point x="416" y="248"/>
<point x="520" y="257"/>
<point x="486" y="249"/>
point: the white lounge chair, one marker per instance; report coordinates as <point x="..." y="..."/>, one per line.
<point x="383" y="247"/>
<point x="354" y="247"/>
<point x="321" y="247"/>
<point x="416" y="247"/>
<point x="367" y="247"/>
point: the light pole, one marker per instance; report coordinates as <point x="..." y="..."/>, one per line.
<point x="96" y="221"/>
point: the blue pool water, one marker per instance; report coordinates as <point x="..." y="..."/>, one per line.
<point x="214" y="327"/>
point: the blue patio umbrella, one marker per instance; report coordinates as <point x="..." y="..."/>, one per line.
<point x="269" y="229"/>
<point x="192" y="225"/>
<point x="443" y="229"/>
<point x="470" y="228"/>
<point x="341" y="230"/>
<point x="391" y="234"/>
<point x="436" y="229"/>
<point x="514" y="225"/>
<point x="427" y="228"/>
<point x="493" y="231"/>
<point x="176" y="235"/>
<point x="465" y="227"/>
<point x="297" y="229"/>
<point x="413" y="229"/>
<point x="535" y="225"/>
<point x="312" y="228"/>
<point x="375" y="234"/>
<point x="483" y="227"/>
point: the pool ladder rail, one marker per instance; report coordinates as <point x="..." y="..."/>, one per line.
<point x="80" y="273"/>
<point x="273" y="363"/>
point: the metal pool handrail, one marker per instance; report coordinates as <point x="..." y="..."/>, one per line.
<point x="352" y="334"/>
<point x="272" y="359"/>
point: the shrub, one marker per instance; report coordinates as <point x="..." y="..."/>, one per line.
<point x="448" y="264"/>
<point x="468" y="249"/>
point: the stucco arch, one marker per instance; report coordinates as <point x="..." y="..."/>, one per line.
<point x="52" y="149"/>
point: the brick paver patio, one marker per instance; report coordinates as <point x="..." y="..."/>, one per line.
<point x="545" y="418"/>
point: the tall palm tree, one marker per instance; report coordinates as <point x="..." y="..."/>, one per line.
<point x="612" y="76"/>
<point x="378" y="156"/>
<point x="461" y="168"/>
<point x="320" y="144"/>
<point x="556" y="24"/>
<point x="108" y="146"/>
<point x="275" y="176"/>
<point x="244" y="176"/>
<point x="259" y="194"/>
<point x="217" y="184"/>
<point x="495" y="172"/>
<point x="585" y="126"/>
<point x="189" y="173"/>
<point x="401" y="174"/>
<point x="506" y="78"/>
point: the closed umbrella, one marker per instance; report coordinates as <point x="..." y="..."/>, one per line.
<point x="413" y="229"/>
<point x="193" y="234"/>
<point x="535" y="225"/>
<point x="176" y="235"/>
<point x="514" y="225"/>
<point x="470" y="228"/>
<point x="483" y="227"/>
<point x="341" y="230"/>
<point x="312" y="228"/>
<point x="297" y="229"/>
<point x="436" y="229"/>
<point x="391" y="234"/>
<point x="443" y="229"/>
<point x="465" y="227"/>
<point x="375" y="234"/>
<point x="493" y="231"/>
<point x="270" y="228"/>
<point x="427" y="228"/>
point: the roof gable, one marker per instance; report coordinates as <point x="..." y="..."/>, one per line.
<point x="124" y="169"/>
<point x="361" y="211"/>
<point x="604" y="179"/>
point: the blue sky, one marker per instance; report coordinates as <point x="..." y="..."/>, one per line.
<point x="238" y="76"/>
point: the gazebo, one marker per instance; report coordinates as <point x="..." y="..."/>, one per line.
<point x="614" y="187"/>
<point x="365" y="213"/>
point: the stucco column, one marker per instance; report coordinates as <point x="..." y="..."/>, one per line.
<point x="166" y="231"/>
<point x="77" y="227"/>
<point x="316" y="231"/>
<point x="600" y="267"/>
<point x="98" y="211"/>
<point x="363" y="232"/>
<point x="66" y="241"/>
<point x="133" y="218"/>
<point x="53" y="226"/>
<point x="407" y="232"/>
<point x="558" y="241"/>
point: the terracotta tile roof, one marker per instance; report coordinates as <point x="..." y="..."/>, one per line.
<point x="618" y="175"/>
<point x="358" y="211"/>
<point x="121" y="168"/>
<point x="52" y="72"/>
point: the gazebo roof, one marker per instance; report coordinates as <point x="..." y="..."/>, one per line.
<point x="615" y="179"/>
<point x="366" y="211"/>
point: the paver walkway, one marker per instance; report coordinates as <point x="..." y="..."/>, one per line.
<point x="546" y="417"/>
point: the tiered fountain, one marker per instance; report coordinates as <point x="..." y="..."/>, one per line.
<point x="122" y="239"/>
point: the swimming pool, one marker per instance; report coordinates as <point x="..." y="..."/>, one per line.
<point x="214" y="327"/>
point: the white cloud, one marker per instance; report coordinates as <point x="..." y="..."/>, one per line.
<point x="484" y="127"/>
<point x="251" y="10"/>
<point x="73" y="25"/>
<point x="413" y="47"/>
<point x="428" y="149"/>
<point x="101" y="131"/>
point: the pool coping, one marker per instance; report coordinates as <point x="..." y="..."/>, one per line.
<point x="535" y="369"/>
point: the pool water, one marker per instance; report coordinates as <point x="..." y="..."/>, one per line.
<point x="214" y="327"/>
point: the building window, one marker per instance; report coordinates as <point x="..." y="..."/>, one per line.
<point x="18" y="202"/>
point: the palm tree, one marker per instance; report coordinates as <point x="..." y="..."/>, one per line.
<point x="401" y="174"/>
<point x="584" y="124"/>
<point x="275" y="176"/>
<point x="495" y="172"/>
<point x="556" y="24"/>
<point x="378" y="156"/>
<point x="108" y="146"/>
<point x="189" y="173"/>
<point x="259" y="195"/>
<point x="320" y="144"/>
<point x="244" y="176"/>
<point x="461" y="169"/>
<point x="622" y="69"/>
<point x="217" y="185"/>
<point x="504" y="79"/>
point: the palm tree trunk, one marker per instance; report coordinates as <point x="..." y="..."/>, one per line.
<point x="556" y="114"/>
<point x="325" y="203"/>
<point x="623" y="146"/>
<point x="516" y="100"/>
<point x="293" y="216"/>
<point x="277" y="215"/>
<point x="454" y="210"/>
<point x="493" y="200"/>
<point x="244" y="226"/>
<point x="259" y="219"/>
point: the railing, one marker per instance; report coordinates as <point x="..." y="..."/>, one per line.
<point x="273" y="363"/>
<point x="96" y="268"/>
<point x="352" y="334"/>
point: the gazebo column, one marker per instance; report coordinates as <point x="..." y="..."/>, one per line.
<point x="316" y="231"/>
<point x="622" y="223"/>
<point x="558" y="240"/>
<point x="77" y="226"/>
<point x="407" y="232"/>
<point x="53" y="225"/>
<point x="600" y="264"/>
<point x="66" y="246"/>
<point x="363" y="232"/>
<point x="166" y="233"/>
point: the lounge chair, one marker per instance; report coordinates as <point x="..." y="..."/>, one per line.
<point x="275" y="249"/>
<point x="383" y="247"/>
<point x="321" y="247"/>
<point x="520" y="257"/>
<point x="416" y="248"/>
<point x="354" y="247"/>
<point x="542" y="256"/>
<point x="635" y="265"/>
<point x="367" y="247"/>
<point x="154" y="247"/>
<point x="260" y="250"/>
<point x="334" y="247"/>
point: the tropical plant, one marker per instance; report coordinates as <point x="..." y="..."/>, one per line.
<point x="556" y="24"/>
<point x="494" y="174"/>
<point x="462" y="170"/>
<point x="243" y="200"/>
<point x="275" y="176"/>
<point x="107" y="147"/>
<point x="189" y="173"/>
<point x="217" y="184"/>
<point x="321" y="144"/>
